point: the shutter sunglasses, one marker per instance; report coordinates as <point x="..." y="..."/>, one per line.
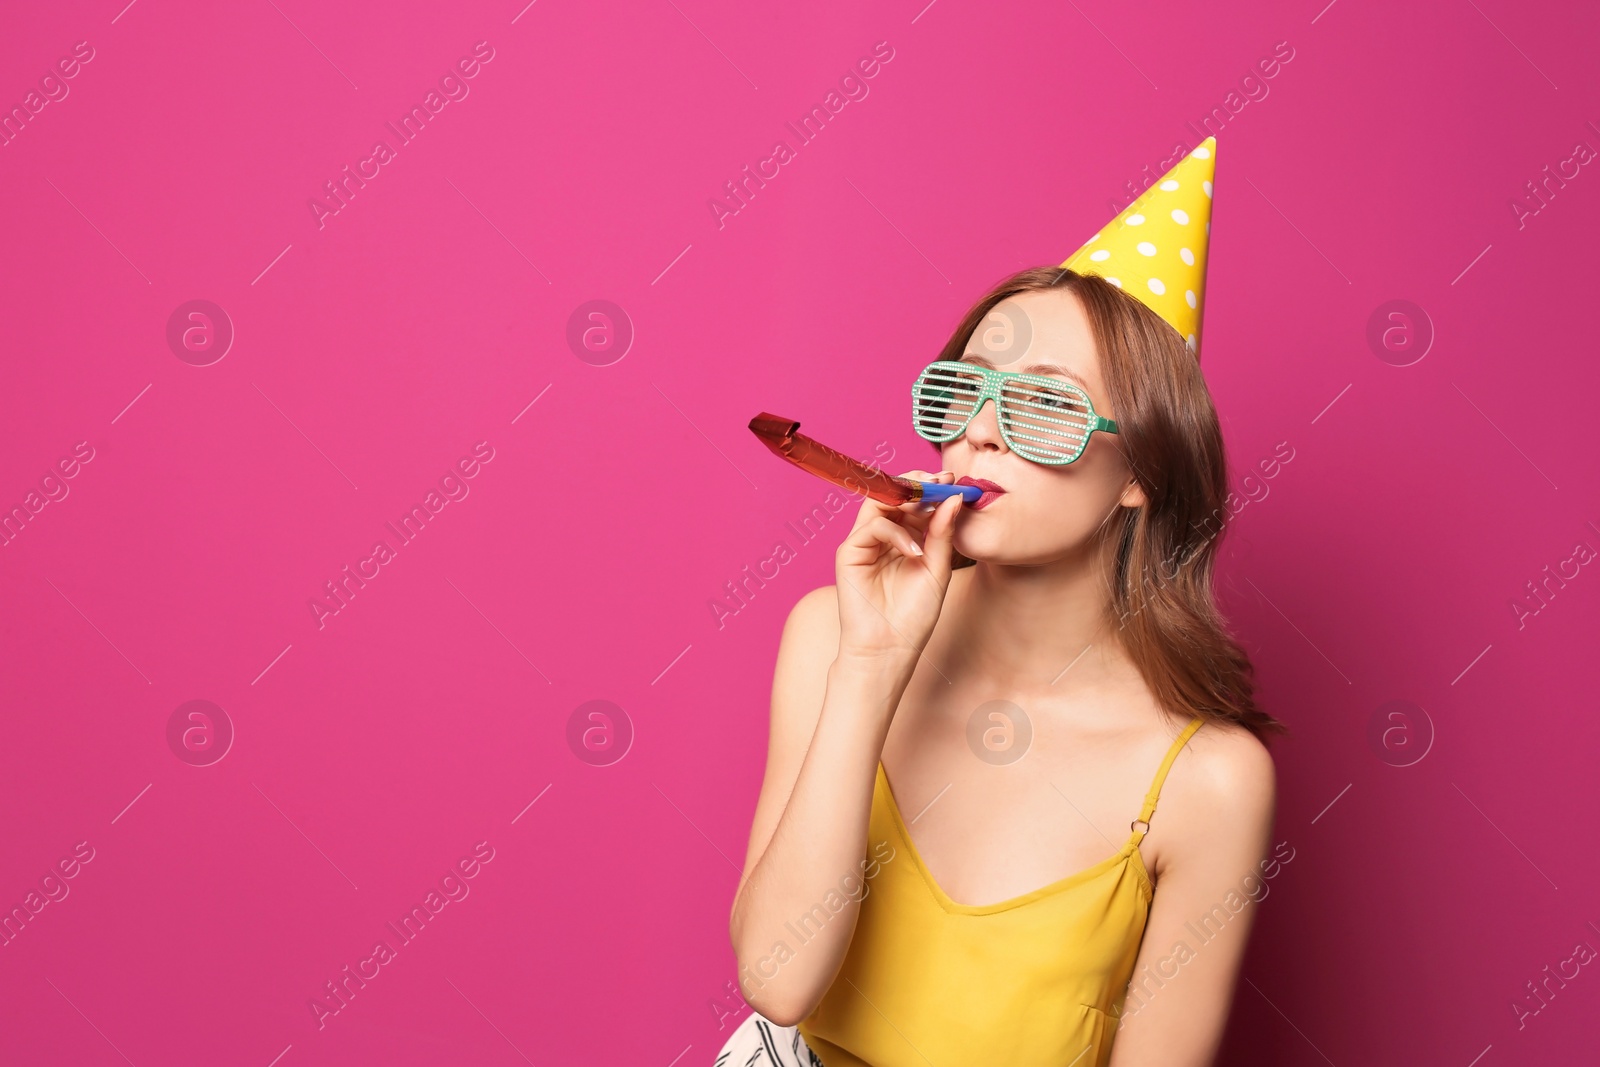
<point x="1045" y="420"/>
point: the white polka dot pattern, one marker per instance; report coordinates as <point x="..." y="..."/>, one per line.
<point x="1157" y="246"/>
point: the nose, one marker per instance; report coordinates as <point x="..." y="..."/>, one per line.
<point x="983" y="432"/>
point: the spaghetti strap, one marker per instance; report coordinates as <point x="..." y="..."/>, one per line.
<point x="1161" y="776"/>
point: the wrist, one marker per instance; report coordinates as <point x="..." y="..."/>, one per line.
<point x="874" y="668"/>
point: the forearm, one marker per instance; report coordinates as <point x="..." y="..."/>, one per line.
<point x="820" y="840"/>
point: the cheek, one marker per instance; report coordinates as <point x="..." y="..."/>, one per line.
<point x="1059" y="508"/>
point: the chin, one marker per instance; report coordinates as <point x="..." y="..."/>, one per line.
<point x="1013" y="543"/>
<point x="985" y="547"/>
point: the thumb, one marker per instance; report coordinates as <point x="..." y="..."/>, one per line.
<point x="938" y="544"/>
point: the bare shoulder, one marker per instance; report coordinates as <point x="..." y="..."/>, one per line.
<point x="810" y="642"/>
<point x="1229" y="765"/>
<point x="1220" y="792"/>
<point x="814" y="619"/>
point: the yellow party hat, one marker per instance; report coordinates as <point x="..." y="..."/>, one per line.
<point x="1155" y="251"/>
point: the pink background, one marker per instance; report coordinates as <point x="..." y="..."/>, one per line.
<point x="372" y="753"/>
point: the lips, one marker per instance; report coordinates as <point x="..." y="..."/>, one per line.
<point x="991" y="491"/>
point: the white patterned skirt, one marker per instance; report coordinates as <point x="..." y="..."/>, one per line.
<point x="760" y="1042"/>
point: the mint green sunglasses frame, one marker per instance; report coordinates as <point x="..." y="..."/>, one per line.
<point x="1068" y="443"/>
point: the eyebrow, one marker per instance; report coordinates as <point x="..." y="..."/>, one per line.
<point x="1032" y="368"/>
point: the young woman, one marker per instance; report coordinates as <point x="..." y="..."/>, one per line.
<point x="964" y="723"/>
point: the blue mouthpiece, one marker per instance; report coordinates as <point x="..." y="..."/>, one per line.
<point x="938" y="492"/>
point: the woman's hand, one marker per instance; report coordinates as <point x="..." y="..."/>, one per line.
<point x="893" y="570"/>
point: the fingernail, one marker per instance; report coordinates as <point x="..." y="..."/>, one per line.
<point x="916" y="549"/>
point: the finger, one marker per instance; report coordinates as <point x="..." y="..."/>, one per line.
<point x="938" y="543"/>
<point x="891" y="533"/>
<point x="917" y="514"/>
<point x="866" y="544"/>
<point x="871" y="508"/>
<point x="914" y="507"/>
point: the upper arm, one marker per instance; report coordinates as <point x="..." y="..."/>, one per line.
<point x="809" y="644"/>
<point x="1218" y="815"/>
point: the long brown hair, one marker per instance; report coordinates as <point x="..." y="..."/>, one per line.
<point x="1161" y="594"/>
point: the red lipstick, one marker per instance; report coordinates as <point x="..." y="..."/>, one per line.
<point x="991" y="490"/>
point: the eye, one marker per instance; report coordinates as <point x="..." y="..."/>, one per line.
<point x="1047" y="397"/>
<point x="1052" y="399"/>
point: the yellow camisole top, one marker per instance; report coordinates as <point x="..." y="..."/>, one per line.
<point x="1035" y="981"/>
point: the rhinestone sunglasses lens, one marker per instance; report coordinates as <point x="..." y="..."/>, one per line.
<point x="1044" y="422"/>
<point x="945" y="399"/>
